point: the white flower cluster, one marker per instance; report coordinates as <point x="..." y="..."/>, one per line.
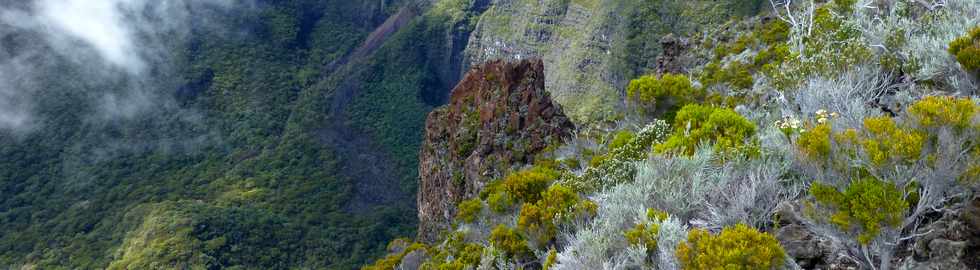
<point x="823" y="116"/>
<point x="789" y="122"/>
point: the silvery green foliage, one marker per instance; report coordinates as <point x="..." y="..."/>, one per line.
<point x="926" y="35"/>
<point x="849" y="95"/>
<point x="672" y="232"/>
<point x="491" y="261"/>
<point x="676" y="185"/>
<point x="679" y="185"/>
<point x="935" y="175"/>
<point x="752" y="189"/>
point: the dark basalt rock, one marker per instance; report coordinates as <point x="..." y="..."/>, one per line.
<point x="498" y="118"/>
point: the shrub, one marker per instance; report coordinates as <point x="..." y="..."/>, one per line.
<point x="619" y="164"/>
<point x="527" y="185"/>
<point x="510" y="242"/>
<point x="557" y="205"/>
<point x="735" y="74"/>
<point x="499" y="202"/>
<point x="931" y="112"/>
<point x="772" y="57"/>
<point x="393" y="260"/>
<point x="621" y="139"/>
<point x="645" y="234"/>
<point x="551" y="260"/>
<point x="886" y="141"/>
<point x="966" y="49"/>
<point x="454" y="254"/>
<point x="775" y="32"/>
<point x="739" y="247"/>
<point x="815" y="143"/>
<point x="844" y="7"/>
<point x="695" y="124"/>
<point x="865" y="206"/>
<point x="662" y="95"/>
<point x="468" y="210"/>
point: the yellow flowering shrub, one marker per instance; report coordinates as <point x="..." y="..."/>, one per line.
<point x="510" y="241"/>
<point x="738" y="247"/>
<point x="558" y="204"/>
<point x="391" y="261"/>
<point x="527" y="185"/>
<point x="865" y="206"/>
<point x="887" y="141"/>
<point x="815" y="143"/>
<point x="936" y="111"/>
<point x="646" y="234"/>
<point x="966" y="49"/>
<point x="694" y="124"/>
<point x="468" y="210"/>
<point x="454" y="254"/>
<point x="662" y="95"/>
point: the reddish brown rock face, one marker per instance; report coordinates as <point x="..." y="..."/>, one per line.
<point x="498" y="118"/>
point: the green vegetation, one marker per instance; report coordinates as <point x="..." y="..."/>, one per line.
<point x="558" y="205"/>
<point x="727" y="130"/>
<point x="239" y="164"/>
<point x="887" y="142"/>
<point x="646" y="233"/>
<point x="511" y="242"/>
<point x="966" y="49"/>
<point x="815" y="143"/>
<point x="622" y="138"/>
<point x="662" y="96"/>
<point x="454" y="254"/>
<point x="739" y="247"/>
<point x="528" y="185"/>
<point x="469" y="210"/>
<point x="392" y="261"/>
<point x="937" y="111"/>
<point x="866" y="205"/>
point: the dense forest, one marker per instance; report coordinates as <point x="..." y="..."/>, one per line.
<point x="297" y="134"/>
<point x="231" y="146"/>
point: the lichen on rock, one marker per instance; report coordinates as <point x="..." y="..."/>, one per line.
<point x="498" y="118"/>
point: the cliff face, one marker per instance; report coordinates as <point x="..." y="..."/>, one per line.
<point x="575" y="40"/>
<point x="498" y="118"/>
<point x="592" y="48"/>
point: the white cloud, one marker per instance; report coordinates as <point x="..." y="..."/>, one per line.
<point x="100" y="24"/>
<point x="105" y="39"/>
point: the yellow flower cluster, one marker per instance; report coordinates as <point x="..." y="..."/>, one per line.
<point x="739" y="247"/>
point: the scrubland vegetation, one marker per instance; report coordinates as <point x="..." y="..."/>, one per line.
<point x="864" y="113"/>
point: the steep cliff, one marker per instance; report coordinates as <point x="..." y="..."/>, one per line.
<point x="592" y="48"/>
<point x="498" y="118"/>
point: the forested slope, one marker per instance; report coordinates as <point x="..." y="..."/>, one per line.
<point x="265" y="134"/>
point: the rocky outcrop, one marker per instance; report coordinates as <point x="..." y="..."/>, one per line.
<point x="808" y="249"/>
<point x="671" y="59"/>
<point x="951" y="242"/>
<point x="498" y="118"/>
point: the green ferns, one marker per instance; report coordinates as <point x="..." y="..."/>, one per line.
<point x="739" y="247"/>
<point x="729" y="131"/>
<point x="865" y="206"/>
